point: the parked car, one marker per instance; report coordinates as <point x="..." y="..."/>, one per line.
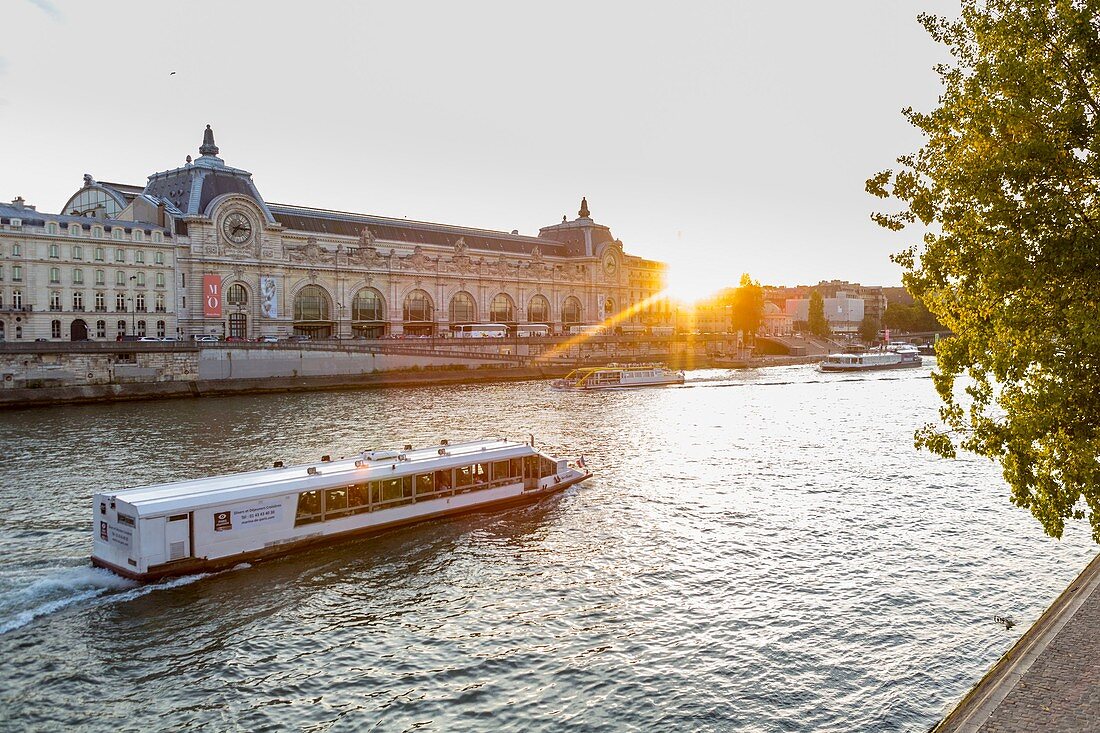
<point x="149" y="338"/>
<point x="236" y="339"/>
<point x="269" y="339"/>
<point x="207" y="339"/>
<point x="296" y="338"/>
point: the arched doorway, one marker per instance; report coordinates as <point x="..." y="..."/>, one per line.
<point x="368" y="314"/>
<point x="78" y="331"/>
<point x="236" y="301"/>
<point x="312" y="313"/>
<point x="417" y="314"/>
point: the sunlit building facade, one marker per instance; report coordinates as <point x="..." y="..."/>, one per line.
<point x="246" y="267"/>
<point x="79" y="277"/>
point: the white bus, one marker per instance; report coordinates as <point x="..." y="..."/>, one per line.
<point x="480" y="330"/>
<point x="592" y="330"/>
<point x="532" y="329"/>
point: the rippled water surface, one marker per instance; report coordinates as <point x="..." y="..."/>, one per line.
<point x="758" y="550"/>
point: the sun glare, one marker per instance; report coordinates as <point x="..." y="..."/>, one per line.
<point x="691" y="282"/>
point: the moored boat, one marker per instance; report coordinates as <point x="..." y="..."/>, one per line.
<point x="897" y="357"/>
<point x="212" y="523"/>
<point x="618" y="376"/>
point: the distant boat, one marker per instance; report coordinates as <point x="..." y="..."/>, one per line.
<point x="618" y="376"/>
<point x="894" y="357"/>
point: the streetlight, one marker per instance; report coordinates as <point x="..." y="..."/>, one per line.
<point x="133" y="309"/>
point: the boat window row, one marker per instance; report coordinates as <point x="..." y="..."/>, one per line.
<point x="368" y="496"/>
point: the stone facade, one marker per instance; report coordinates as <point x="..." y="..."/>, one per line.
<point x="72" y="278"/>
<point x="246" y="268"/>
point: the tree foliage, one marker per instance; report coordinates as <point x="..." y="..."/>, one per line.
<point x="1005" y="193"/>
<point x="816" y="321"/>
<point x="911" y="318"/>
<point x="868" y="329"/>
<point x="747" y="306"/>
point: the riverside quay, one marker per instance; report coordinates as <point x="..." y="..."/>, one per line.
<point x="197" y="251"/>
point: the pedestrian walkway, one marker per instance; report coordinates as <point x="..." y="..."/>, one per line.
<point x="1050" y="680"/>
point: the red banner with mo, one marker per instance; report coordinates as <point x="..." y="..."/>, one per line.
<point x="212" y="296"/>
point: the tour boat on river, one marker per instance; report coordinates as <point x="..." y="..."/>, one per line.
<point x="896" y="357"/>
<point x="618" y="376"/>
<point x="207" y="524"/>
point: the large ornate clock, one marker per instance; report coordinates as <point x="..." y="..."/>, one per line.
<point x="237" y="227"/>
<point x="609" y="265"/>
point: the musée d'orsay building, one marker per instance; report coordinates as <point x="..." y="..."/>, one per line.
<point x="197" y="250"/>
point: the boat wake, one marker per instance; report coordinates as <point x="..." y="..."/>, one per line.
<point x="71" y="586"/>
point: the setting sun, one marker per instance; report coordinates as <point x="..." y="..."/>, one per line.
<point x="689" y="281"/>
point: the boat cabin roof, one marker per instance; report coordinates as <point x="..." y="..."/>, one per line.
<point x="376" y="465"/>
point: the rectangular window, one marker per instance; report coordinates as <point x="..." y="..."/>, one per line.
<point x="55" y="329"/>
<point x="78" y="277"/>
<point x="442" y="480"/>
<point x="100" y="302"/>
<point x="358" y="496"/>
<point x="54" y="251"/>
<point x="100" y="277"/>
<point x="55" y="301"/>
<point x="425" y="484"/>
<point x="16" y="250"/>
<point x="517" y="467"/>
<point x="140" y="303"/>
<point x="120" y="302"/>
<point x="120" y="278"/>
<point x="139" y="257"/>
<point x="336" y="503"/>
<point x="160" y="303"/>
<point x="464" y="476"/>
<point x="99" y="254"/>
<point x="309" y="508"/>
<point x="17" y="273"/>
<point x="481" y="473"/>
<point x="141" y="328"/>
<point x="55" y="274"/>
<point x="101" y="329"/>
<point x="78" y="301"/>
<point x="141" y="279"/>
<point x="160" y="329"/>
<point x="158" y="258"/>
<point x="78" y="253"/>
<point x="120" y="254"/>
<point x="391" y="489"/>
<point x="160" y="280"/>
<point x="500" y="471"/>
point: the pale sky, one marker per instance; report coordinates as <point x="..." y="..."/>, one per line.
<point x="722" y="137"/>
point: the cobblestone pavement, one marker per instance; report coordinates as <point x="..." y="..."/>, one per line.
<point x="1049" y="682"/>
<point x="1061" y="690"/>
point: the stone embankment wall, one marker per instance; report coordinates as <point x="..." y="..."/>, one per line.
<point x="47" y="374"/>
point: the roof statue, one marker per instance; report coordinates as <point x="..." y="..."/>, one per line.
<point x="208" y="147"/>
<point x="584" y="212"/>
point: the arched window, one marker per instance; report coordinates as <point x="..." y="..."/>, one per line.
<point x="368" y="314"/>
<point x="101" y="329"/>
<point x="501" y="310"/>
<point x="367" y="306"/>
<point x="93" y="201"/>
<point x="538" y="310"/>
<point x="463" y="309"/>
<point x="571" y="311"/>
<point x="236" y="295"/>
<point x="417" y="313"/>
<point x="311" y="304"/>
<point x="121" y="328"/>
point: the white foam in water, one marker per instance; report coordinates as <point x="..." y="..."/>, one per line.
<point x="75" y="585"/>
<point x="54" y="592"/>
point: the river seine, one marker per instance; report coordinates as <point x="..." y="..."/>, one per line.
<point x="757" y="550"/>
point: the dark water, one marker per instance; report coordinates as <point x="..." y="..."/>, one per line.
<point x="759" y="551"/>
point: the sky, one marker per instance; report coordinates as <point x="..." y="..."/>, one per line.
<point x="722" y="137"/>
